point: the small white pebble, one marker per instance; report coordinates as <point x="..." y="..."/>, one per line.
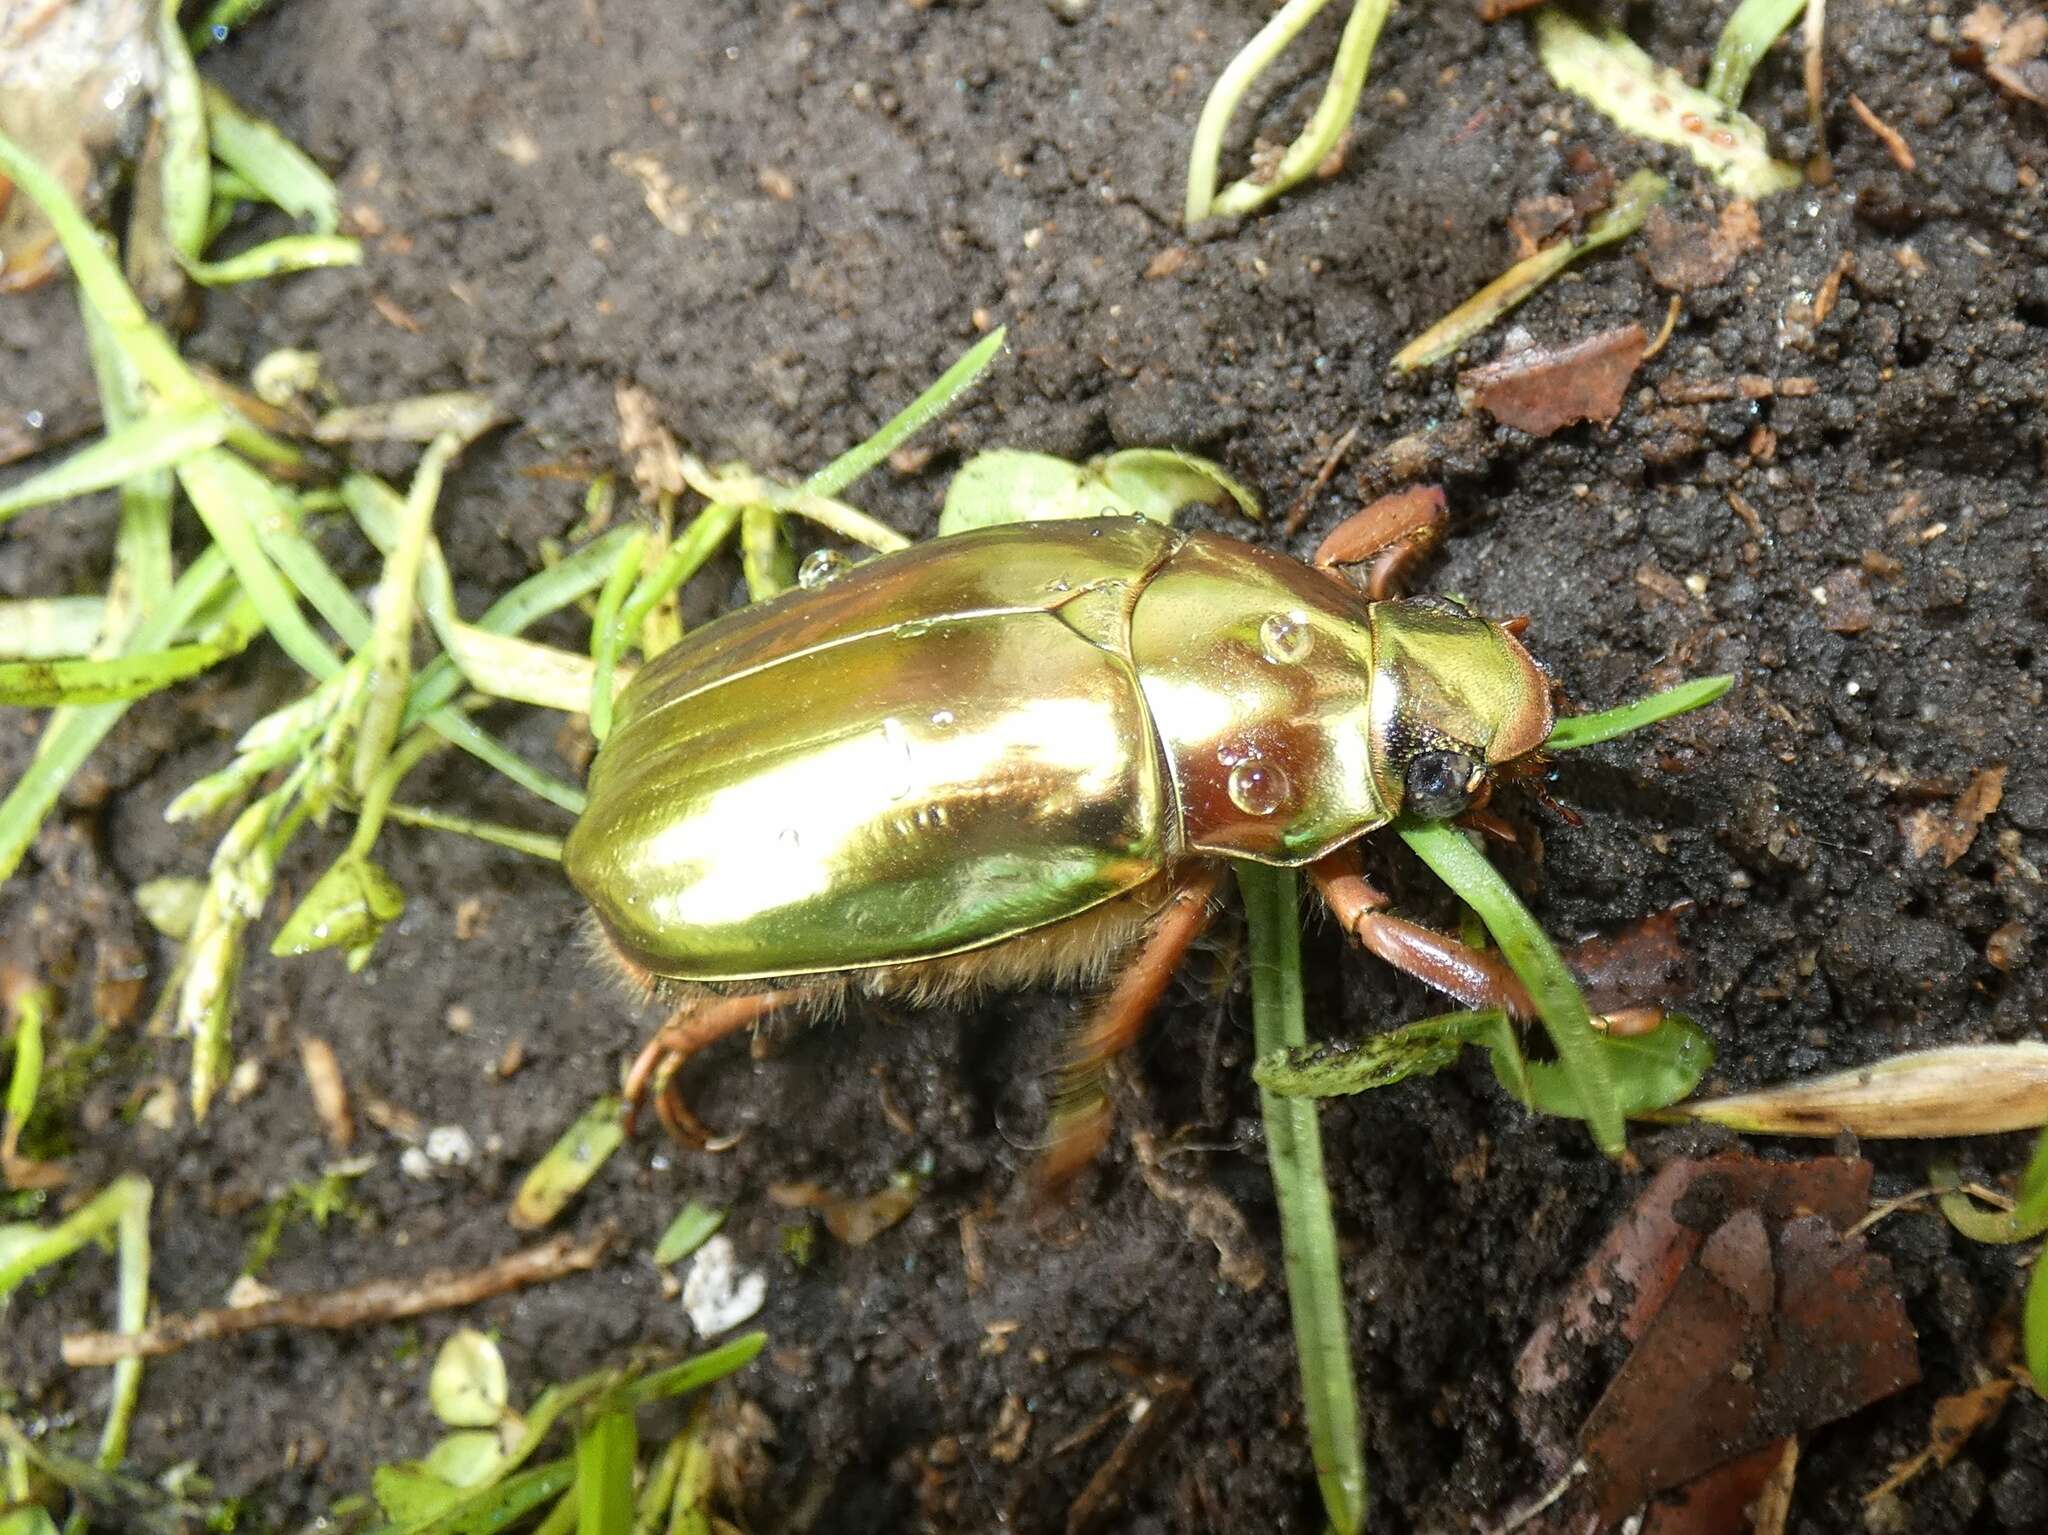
<point x="244" y="1080"/>
<point x="1819" y="594"/>
<point x="1853" y="688"/>
<point x="414" y="1164"/>
<point x="1738" y="880"/>
<point x="248" y="1290"/>
<point x="717" y="1293"/>
<point x="450" y="1146"/>
<point x="1696" y="583"/>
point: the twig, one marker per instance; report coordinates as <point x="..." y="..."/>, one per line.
<point x="380" y="1300"/>
<point x="1820" y="170"/>
<point x="1894" y="141"/>
<point x="1664" y="331"/>
<point x="1297" y="514"/>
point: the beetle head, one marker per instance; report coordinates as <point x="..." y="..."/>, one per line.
<point x="1454" y="697"/>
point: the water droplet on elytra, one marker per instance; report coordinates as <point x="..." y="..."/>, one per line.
<point x="1257" y="788"/>
<point x="1285" y="638"/>
<point x="942" y="717"/>
<point x="821" y="567"/>
<point x="790" y="838"/>
<point x="1059" y="584"/>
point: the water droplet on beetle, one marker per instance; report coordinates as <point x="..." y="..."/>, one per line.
<point x="821" y="567"/>
<point x="1285" y="638"/>
<point x="1059" y="584"/>
<point x="942" y="717"/>
<point x="1257" y="788"/>
<point x="790" y="839"/>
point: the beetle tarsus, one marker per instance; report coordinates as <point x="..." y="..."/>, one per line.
<point x="693" y="1027"/>
<point x="1389" y="538"/>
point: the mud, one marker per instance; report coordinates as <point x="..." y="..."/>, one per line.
<point x="840" y="190"/>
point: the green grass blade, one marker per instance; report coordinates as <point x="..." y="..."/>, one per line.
<point x="516" y="839"/>
<point x="1308" y="1232"/>
<point x="1206" y="152"/>
<point x="50" y="628"/>
<point x="131" y="1312"/>
<point x="87" y="1224"/>
<point x="390" y="648"/>
<point x="609" y="634"/>
<point x="221" y="18"/>
<point x="143" y="565"/>
<point x="765" y="558"/>
<point x="271" y="163"/>
<point x="1556" y="995"/>
<point x="155" y="442"/>
<point x="503" y="666"/>
<point x="455" y="728"/>
<point x="43" y="684"/>
<point x="605" y="1452"/>
<point x="696" y="1372"/>
<point x="223" y="490"/>
<point x="1326" y="127"/>
<point x="277" y="258"/>
<point x="935" y="401"/>
<point x="186" y="164"/>
<point x="1590" y="729"/>
<point x="2035" y="1323"/>
<point x="1748" y="36"/>
<point x="686" y="556"/>
<point x="71" y="734"/>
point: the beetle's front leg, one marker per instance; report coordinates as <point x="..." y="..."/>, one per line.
<point x="696" y="1025"/>
<point x="1388" y="537"/>
<point x="1081" y="1113"/>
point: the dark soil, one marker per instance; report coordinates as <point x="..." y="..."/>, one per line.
<point x="850" y="185"/>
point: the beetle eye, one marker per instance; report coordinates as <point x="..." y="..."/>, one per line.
<point x="1440" y="784"/>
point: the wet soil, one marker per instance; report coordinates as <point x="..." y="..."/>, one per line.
<point x="846" y="192"/>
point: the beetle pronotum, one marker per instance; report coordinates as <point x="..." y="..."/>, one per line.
<point x="1022" y="754"/>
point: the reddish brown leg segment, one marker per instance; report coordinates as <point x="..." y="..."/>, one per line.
<point x="692" y="1027"/>
<point x="1081" y="1113"/>
<point x="1392" y="535"/>
<point x="1477" y="978"/>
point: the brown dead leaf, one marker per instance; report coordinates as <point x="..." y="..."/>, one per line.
<point x="1540" y="390"/>
<point x="1774" y="1503"/>
<point x="1952" y="833"/>
<point x="1500" y="10"/>
<point x="1688" y="254"/>
<point x="1536" y="220"/>
<point x="1984" y="26"/>
<point x="657" y="461"/>
<point x="329" y="1089"/>
<point x="1954" y="1420"/>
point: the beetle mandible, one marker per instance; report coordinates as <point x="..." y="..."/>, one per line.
<point x="1022" y="754"/>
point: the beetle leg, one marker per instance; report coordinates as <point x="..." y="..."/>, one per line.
<point x="1081" y="1113"/>
<point x="1392" y="534"/>
<point x="694" y="1026"/>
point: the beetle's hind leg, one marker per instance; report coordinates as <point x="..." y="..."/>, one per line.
<point x="695" y="1025"/>
<point x="1081" y="1114"/>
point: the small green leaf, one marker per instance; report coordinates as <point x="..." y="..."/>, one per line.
<point x="410" y="1494"/>
<point x="171" y="903"/>
<point x="2035" y="1323"/>
<point x="690" y="1230"/>
<point x="569" y="1164"/>
<point x="466" y="1459"/>
<point x="1008" y="485"/>
<point x="346" y="908"/>
<point x="605" y="1453"/>
<point x="468" y="1388"/>
<point x="27" y="1521"/>
<point x="1650" y="1071"/>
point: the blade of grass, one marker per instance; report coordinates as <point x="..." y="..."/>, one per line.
<point x="1556" y="995"/>
<point x="608" y="627"/>
<point x="515" y="838"/>
<point x="217" y="486"/>
<point x="390" y="647"/>
<point x="1252" y="60"/>
<point x="43" y="684"/>
<point x="1590" y="729"/>
<point x="71" y="734"/>
<point x="764" y="554"/>
<point x="1325" y="128"/>
<point x="276" y="258"/>
<point x="131" y="1314"/>
<point x="272" y="164"/>
<point x="186" y="165"/>
<point x="221" y="18"/>
<point x="686" y="556"/>
<point x="91" y="1221"/>
<point x="694" y="1373"/>
<point x="523" y="671"/>
<point x="143" y="565"/>
<point x="1308" y="1234"/>
<point x="50" y="628"/>
<point x="935" y="401"/>
<point x="1748" y="36"/>
<point x="605" y="1452"/>
<point x="457" y="730"/>
<point x="157" y="441"/>
<point x="1632" y="204"/>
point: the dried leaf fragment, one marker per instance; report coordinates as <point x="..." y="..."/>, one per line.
<point x="1952" y="834"/>
<point x="1685" y="254"/>
<point x="1541" y="390"/>
<point x="657" y="461"/>
<point x="1954" y="1420"/>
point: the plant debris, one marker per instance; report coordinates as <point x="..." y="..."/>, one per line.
<point x="1753" y="1319"/>
<point x="1960" y="1090"/>
<point x="380" y="1300"/>
<point x="1685" y="254"/>
<point x="1952" y="832"/>
<point x="2010" y="51"/>
<point x="1954" y="1420"/>
<point x="1894" y="141"/>
<point x="1543" y="389"/>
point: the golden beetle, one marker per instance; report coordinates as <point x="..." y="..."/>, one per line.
<point x="1021" y="754"/>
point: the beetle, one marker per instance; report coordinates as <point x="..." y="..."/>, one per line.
<point x="1023" y="754"/>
